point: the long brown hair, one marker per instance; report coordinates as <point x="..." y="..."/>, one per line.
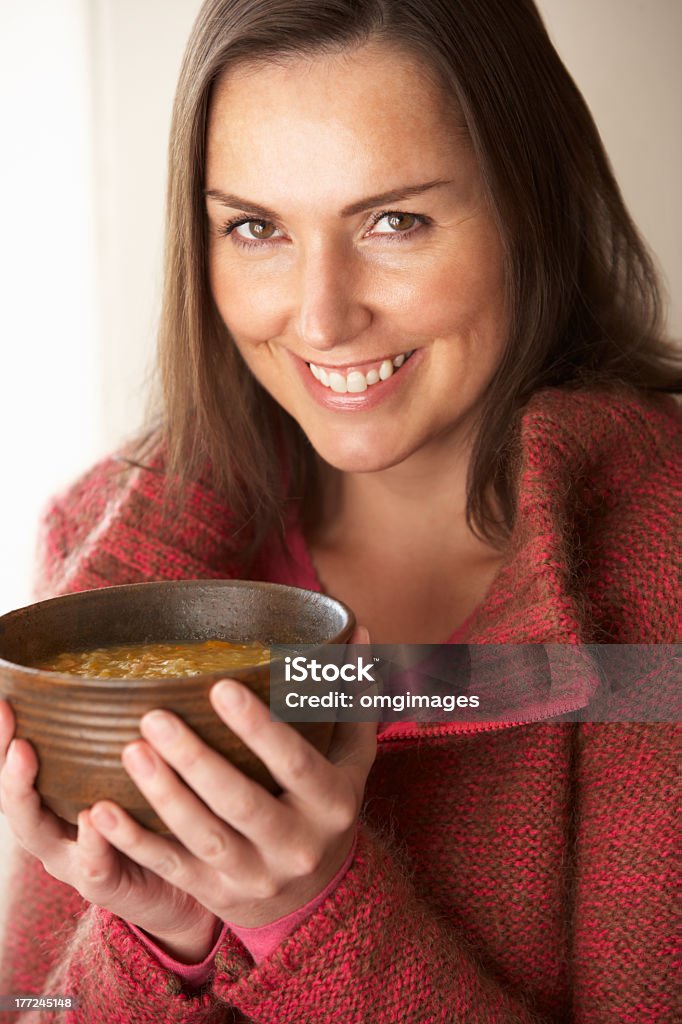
<point x="581" y="288"/>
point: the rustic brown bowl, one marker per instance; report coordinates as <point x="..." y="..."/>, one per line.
<point x="79" y="726"/>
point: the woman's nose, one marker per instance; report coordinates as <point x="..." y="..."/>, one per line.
<point x="331" y="308"/>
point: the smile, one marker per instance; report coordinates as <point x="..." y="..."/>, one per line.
<point x="355" y="381"/>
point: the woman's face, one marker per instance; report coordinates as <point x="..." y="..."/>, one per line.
<point x="349" y="231"/>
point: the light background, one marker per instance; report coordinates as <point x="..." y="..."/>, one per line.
<point x="86" y="88"/>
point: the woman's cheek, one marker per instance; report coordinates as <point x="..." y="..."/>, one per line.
<point x="253" y="310"/>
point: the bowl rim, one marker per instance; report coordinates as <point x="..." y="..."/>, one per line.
<point x="65" y="679"/>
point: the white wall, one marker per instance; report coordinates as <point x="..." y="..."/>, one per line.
<point x="85" y="92"/>
<point x="137" y="48"/>
<point x="49" y="361"/>
<point x="85" y="95"/>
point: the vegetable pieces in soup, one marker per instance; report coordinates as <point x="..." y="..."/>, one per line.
<point x="155" y="661"/>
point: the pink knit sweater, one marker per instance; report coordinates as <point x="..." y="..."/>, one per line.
<point x="502" y="874"/>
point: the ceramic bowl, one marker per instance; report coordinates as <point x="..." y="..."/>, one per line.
<point x="79" y="726"/>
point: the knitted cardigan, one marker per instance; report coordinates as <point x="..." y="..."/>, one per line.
<point x="502" y="874"/>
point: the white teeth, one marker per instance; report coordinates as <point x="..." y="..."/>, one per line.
<point x="337" y="382"/>
<point x="386" y="369"/>
<point x="356" y="382"/>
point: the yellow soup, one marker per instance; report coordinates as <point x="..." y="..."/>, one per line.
<point x="154" y="661"/>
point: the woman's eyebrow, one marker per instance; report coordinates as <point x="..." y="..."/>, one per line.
<point x="395" y="195"/>
<point x="229" y="199"/>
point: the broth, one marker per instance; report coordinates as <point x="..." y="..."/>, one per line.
<point x="158" y="660"/>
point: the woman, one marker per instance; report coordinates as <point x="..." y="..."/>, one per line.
<point x="405" y="323"/>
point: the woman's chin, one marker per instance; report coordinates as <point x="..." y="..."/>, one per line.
<point x="361" y="456"/>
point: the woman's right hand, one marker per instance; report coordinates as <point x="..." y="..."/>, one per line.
<point x="83" y="859"/>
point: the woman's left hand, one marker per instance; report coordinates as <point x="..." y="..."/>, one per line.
<point x="247" y="856"/>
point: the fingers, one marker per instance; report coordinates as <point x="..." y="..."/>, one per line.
<point x="134" y="873"/>
<point x="7" y="726"/>
<point x="360" y="636"/>
<point x="242" y="811"/>
<point x="97" y="865"/>
<point x="251" y="812"/>
<point x="166" y="858"/>
<point x="144" y="847"/>
<point x="236" y="849"/>
<point x="83" y="858"/>
<point x="6" y="734"/>
<point x="292" y="761"/>
<point x="308" y="779"/>
<point x="35" y="828"/>
<point x="241" y="808"/>
<point x="228" y="824"/>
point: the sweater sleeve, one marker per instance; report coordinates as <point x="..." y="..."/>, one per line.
<point x="117" y="524"/>
<point x="260" y="942"/>
<point x="58" y="944"/>
<point x="372" y="952"/>
<point x="193" y="976"/>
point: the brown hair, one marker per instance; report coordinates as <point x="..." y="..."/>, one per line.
<point x="581" y="288"/>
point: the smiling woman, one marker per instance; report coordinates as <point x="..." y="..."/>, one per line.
<point x="323" y="295"/>
<point x="410" y="355"/>
<point x="335" y="275"/>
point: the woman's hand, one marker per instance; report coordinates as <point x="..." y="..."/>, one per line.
<point x="83" y="859"/>
<point x="238" y="854"/>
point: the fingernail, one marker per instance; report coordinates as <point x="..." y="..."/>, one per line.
<point x="161" y="725"/>
<point x="230" y="695"/>
<point x="139" y="760"/>
<point x="103" y="818"/>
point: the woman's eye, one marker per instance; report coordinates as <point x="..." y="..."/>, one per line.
<point x="396" y="223"/>
<point x="256" y="230"/>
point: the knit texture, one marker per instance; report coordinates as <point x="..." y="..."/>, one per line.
<point x="508" y="875"/>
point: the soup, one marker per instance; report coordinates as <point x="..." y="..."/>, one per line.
<point x="157" y="660"/>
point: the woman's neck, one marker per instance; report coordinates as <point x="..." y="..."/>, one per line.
<point x="396" y="547"/>
<point x="421" y="501"/>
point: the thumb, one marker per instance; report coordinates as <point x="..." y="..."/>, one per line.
<point x="354" y="743"/>
<point x="360" y="636"/>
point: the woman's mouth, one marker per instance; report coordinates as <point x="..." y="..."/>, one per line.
<point x="355" y="380"/>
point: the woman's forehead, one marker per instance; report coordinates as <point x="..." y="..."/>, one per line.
<point x="330" y="116"/>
